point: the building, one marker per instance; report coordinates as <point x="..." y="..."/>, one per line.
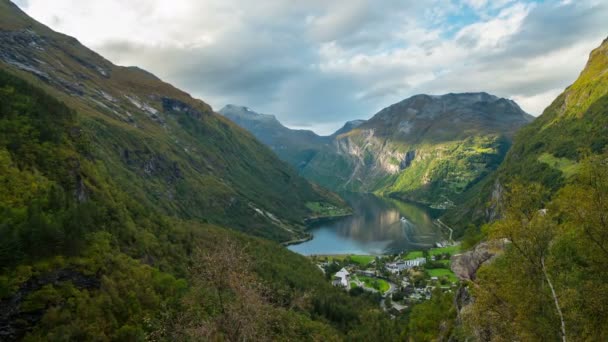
<point x="341" y="278"/>
<point x="401" y="265"/>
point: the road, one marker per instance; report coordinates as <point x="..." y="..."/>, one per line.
<point x="446" y="227"/>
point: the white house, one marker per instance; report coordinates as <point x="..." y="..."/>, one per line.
<point x="401" y="265"/>
<point x="341" y="278"/>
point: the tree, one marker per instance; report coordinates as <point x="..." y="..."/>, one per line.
<point x="514" y="295"/>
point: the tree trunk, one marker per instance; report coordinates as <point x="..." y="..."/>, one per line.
<point x="559" y="310"/>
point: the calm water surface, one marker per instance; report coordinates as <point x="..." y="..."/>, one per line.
<point x="375" y="228"/>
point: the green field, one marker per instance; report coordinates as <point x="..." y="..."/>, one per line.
<point x="565" y="165"/>
<point x="375" y="283"/>
<point x="442" y="272"/>
<point x="450" y="250"/>
<point x="413" y="255"/>
<point x="362" y="260"/>
<point x="446" y="263"/>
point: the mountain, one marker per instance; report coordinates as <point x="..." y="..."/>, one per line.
<point x="297" y="147"/>
<point x="426" y="148"/>
<point x="348" y="126"/>
<point x="122" y="204"/>
<point x="164" y="147"/>
<point x="548" y="150"/>
<point x="547" y="205"/>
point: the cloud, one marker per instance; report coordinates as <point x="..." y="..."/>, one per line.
<point x="319" y="63"/>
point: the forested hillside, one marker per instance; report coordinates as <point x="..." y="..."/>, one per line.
<point x="113" y="184"/>
<point x="548" y="151"/>
<point x="163" y="147"/>
<point x="551" y="205"/>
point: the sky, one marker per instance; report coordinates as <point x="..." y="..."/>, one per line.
<point x="318" y="63"/>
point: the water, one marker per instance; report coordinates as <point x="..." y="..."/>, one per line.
<point x="376" y="227"/>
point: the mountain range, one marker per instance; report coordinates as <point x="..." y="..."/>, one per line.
<point x="427" y="149"/>
<point x="131" y="211"/>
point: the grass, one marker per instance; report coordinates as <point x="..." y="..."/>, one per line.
<point x="375" y="283"/>
<point x="413" y="255"/>
<point x="446" y="263"/>
<point x="565" y="165"/>
<point x="442" y="272"/>
<point x="449" y="249"/>
<point x="362" y="260"/>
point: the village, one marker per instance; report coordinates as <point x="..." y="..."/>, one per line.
<point x="398" y="281"/>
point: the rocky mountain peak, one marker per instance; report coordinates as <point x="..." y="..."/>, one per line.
<point x="441" y="117"/>
<point x="348" y="126"/>
<point x="245" y="113"/>
<point x="429" y="105"/>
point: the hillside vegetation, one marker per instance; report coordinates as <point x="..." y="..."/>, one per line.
<point x="114" y="185"/>
<point x="161" y="146"/>
<point x="549" y="150"/>
<point x="550" y="205"/>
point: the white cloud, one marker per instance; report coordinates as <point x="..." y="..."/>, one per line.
<point x="319" y="63"/>
<point x="536" y="104"/>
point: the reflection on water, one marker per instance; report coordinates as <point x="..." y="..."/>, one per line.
<point x="378" y="226"/>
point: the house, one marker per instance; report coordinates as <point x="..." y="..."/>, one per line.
<point x="401" y="265"/>
<point x="341" y="278"/>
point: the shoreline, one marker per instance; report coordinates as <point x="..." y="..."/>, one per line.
<point x="320" y="219"/>
<point x="312" y="221"/>
<point x="308" y="237"/>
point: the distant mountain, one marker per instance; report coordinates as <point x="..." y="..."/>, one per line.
<point x="548" y="150"/>
<point x="297" y="147"/>
<point x="426" y="148"/>
<point x="348" y="126"/>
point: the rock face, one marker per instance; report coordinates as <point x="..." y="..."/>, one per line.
<point x="465" y="265"/>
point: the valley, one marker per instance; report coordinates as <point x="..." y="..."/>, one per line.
<point x="131" y="210"/>
<point x="425" y="149"/>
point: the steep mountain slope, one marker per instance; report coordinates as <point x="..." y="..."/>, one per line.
<point x="83" y="259"/>
<point x="297" y="147"/>
<point x="426" y="148"/>
<point x="102" y="212"/>
<point x="548" y="150"/>
<point x="165" y="148"/>
<point x="549" y="202"/>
